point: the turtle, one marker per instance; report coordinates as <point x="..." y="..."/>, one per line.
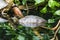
<point x="34" y="22"/>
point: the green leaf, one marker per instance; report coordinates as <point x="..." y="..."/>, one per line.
<point x="21" y="37"/>
<point x="24" y="2"/>
<point x="17" y="2"/>
<point x="38" y="1"/>
<point x="52" y="4"/>
<point x="57" y="12"/>
<point x="44" y="10"/>
<point x="46" y="37"/>
<point x="51" y="20"/>
<point x="35" y="38"/>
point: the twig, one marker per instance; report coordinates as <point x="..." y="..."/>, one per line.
<point x="56" y="32"/>
<point x="56" y="26"/>
<point x="27" y="8"/>
<point x="46" y="28"/>
<point x="55" y="39"/>
<point x="8" y="17"/>
<point x="52" y="28"/>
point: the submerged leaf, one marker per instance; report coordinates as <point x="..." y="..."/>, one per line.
<point x="44" y="10"/>
<point x="39" y="1"/>
<point x="51" y="20"/>
<point x="24" y="2"/>
<point x="21" y="37"/>
<point x="46" y="37"/>
<point x="35" y="38"/>
<point x="57" y="12"/>
<point x="17" y="2"/>
<point x="52" y="4"/>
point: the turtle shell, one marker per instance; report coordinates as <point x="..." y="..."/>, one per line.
<point x="32" y="21"/>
